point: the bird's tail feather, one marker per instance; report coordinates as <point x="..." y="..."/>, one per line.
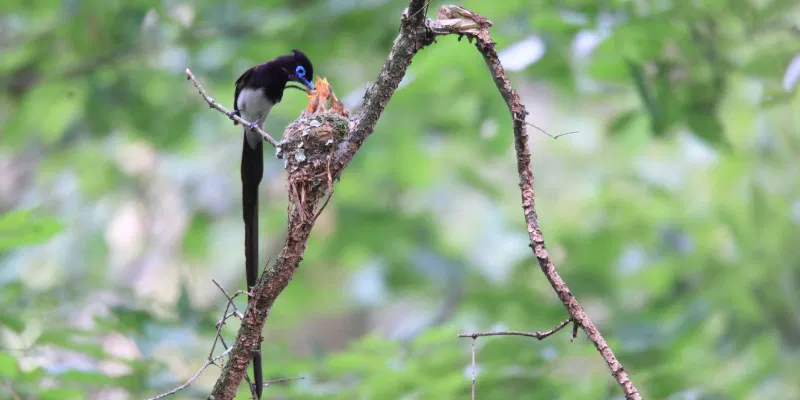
<point x="252" y="172"/>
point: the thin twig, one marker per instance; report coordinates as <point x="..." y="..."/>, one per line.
<point x="229" y="297"/>
<point x="225" y="316"/>
<point x="544" y="131"/>
<point x="227" y="113"/>
<point x="537" y="335"/>
<point x="193" y="378"/>
<point x="222" y="322"/>
<point x="423" y="9"/>
<point x="330" y="184"/>
<point x="282" y="380"/>
<point x="218" y="337"/>
<point x="473" y="367"/>
<point x="234" y="313"/>
<point x="11" y="391"/>
<point x="219" y="330"/>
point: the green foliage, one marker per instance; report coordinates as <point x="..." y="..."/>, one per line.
<point x="673" y="214"/>
<point x="8" y="366"/>
<point x="22" y="228"/>
<point x="62" y="394"/>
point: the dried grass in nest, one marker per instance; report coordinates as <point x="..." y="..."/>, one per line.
<point x="307" y="150"/>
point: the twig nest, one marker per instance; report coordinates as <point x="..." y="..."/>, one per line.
<point x="308" y="141"/>
<point x="307" y="146"/>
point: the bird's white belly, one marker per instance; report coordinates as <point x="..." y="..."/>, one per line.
<point x="253" y="106"/>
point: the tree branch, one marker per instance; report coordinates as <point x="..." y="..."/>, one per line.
<point x="413" y="36"/>
<point x="210" y="360"/>
<point x="416" y="32"/>
<point x="213" y="104"/>
<point x="193" y="378"/>
<point x="537" y="335"/>
<point x="460" y="21"/>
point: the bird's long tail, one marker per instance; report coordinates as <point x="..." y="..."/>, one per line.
<point x="252" y="172"/>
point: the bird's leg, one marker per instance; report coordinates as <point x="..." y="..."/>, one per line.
<point x="237" y="113"/>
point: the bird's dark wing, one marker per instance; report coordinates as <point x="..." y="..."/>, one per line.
<point x="245" y="77"/>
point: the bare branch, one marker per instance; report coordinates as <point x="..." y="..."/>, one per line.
<point x="537" y="335"/>
<point x="229" y="297"/>
<point x="225" y="316"/>
<point x="545" y="132"/>
<point x="414" y="36"/>
<point x="211" y="360"/>
<point x="211" y="102"/>
<point x="282" y="380"/>
<point x="460" y="21"/>
<point x="193" y="378"/>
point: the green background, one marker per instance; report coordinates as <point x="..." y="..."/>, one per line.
<point x="673" y="214"/>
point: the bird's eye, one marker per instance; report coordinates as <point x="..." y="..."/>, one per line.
<point x="300" y="71"/>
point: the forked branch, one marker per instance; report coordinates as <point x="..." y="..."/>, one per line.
<point x="460" y="21"/>
<point x="416" y="32"/>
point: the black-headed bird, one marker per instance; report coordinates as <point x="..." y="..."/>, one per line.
<point x="257" y="90"/>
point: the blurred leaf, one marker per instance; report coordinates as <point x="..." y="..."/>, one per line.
<point x="607" y="64"/>
<point x="62" y="393"/>
<point x="551" y="21"/>
<point x="764" y="63"/>
<point x="11" y="292"/>
<point x="184" y="303"/>
<point x="21" y="228"/>
<point x="707" y="127"/>
<point x="86" y="377"/>
<point x="72" y="339"/>
<point x="554" y="66"/>
<point x="30" y="377"/>
<point x="8" y="366"/>
<point x="132" y="320"/>
<point x="621" y="122"/>
<point x="195" y="241"/>
<point x="46" y="113"/>
<point x="12" y="322"/>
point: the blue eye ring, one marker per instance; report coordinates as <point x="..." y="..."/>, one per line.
<point x="300" y="71"/>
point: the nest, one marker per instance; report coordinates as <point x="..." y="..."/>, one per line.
<point x="307" y="150"/>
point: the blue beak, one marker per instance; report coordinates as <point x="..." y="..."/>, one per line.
<point x="307" y="82"/>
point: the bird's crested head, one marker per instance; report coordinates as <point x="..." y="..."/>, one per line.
<point x="298" y="68"/>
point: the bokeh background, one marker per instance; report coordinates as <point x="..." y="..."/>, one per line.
<point x="673" y="213"/>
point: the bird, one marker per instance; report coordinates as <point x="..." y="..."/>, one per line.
<point x="258" y="89"/>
